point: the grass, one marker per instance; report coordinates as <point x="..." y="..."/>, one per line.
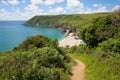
<point x="100" y="68"/>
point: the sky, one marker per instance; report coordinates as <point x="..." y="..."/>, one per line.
<point x="26" y="9"/>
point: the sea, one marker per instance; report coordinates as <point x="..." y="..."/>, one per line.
<point x="12" y="33"/>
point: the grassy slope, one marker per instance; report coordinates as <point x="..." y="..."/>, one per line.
<point x="67" y="21"/>
<point x="98" y="68"/>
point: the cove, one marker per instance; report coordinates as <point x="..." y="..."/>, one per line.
<point x="12" y="33"/>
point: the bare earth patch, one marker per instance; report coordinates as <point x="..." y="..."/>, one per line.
<point x="78" y="71"/>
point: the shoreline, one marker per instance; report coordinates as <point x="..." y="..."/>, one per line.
<point x="70" y="40"/>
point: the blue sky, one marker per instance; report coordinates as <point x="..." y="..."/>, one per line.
<point x="25" y="9"/>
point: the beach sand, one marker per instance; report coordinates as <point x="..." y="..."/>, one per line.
<point x="70" y="41"/>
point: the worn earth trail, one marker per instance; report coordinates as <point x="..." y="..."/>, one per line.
<point x="78" y="71"/>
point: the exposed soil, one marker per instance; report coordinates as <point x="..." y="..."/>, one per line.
<point x="78" y="71"/>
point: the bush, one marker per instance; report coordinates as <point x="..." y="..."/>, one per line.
<point x="112" y="44"/>
<point x="79" y="49"/>
<point x="38" y="42"/>
<point x="99" y="30"/>
<point x="38" y="64"/>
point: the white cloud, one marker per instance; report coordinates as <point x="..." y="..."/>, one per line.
<point x="32" y="10"/>
<point x="50" y="7"/>
<point x="46" y="2"/>
<point x="58" y="10"/>
<point x="13" y="2"/>
<point x="101" y="9"/>
<point x="98" y="8"/>
<point x="3" y="12"/>
<point x="51" y="2"/>
<point x="32" y="13"/>
<point x="116" y="7"/>
<point x="97" y="5"/>
<point x="18" y="14"/>
<point x="86" y="11"/>
<point x="78" y="7"/>
<point x="31" y="7"/>
<point x="4" y="2"/>
<point x="35" y="2"/>
<point x="23" y="1"/>
<point x="74" y="5"/>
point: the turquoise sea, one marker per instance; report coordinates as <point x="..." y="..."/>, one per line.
<point x="12" y="33"/>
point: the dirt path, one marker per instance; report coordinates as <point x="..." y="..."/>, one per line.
<point x="78" y="71"/>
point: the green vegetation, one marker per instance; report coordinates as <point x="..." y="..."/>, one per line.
<point x="73" y="22"/>
<point x="100" y="30"/>
<point x="40" y="58"/>
<point x="38" y="42"/>
<point x="35" y="59"/>
<point x="112" y="44"/>
<point x="99" y="66"/>
<point x="101" y="54"/>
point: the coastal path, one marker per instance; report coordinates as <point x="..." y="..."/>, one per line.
<point x="78" y="71"/>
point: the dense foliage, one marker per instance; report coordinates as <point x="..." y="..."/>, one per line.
<point x="116" y="18"/>
<point x="38" y="42"/>
<point x="42" y="61"/>
<point x="112" y="44"/>
<point x="100" y="30"/>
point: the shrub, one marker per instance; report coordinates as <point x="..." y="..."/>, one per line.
<point x="39" y="64"/>
<point x="38" y="42"/>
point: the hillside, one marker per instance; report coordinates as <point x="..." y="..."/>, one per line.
<point x="73" y="22"/>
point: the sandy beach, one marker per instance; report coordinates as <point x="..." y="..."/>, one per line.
<point x="70" y="41"/>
